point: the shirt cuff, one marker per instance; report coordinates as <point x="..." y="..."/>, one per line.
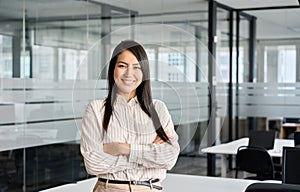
<point x="136" y="153"/>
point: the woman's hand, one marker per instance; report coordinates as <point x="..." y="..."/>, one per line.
<point x="158" y="140"/>
<point x="116" y="149"/>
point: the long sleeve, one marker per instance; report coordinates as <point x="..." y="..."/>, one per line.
<point x="96" y="161"/>
<point x="162" y="156"/>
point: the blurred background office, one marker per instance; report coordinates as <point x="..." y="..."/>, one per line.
<point x="223" y="68"/>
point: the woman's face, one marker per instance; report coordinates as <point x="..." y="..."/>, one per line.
<point x="128" y="74"/>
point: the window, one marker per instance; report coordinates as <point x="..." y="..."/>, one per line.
<point x="175" y="59"/>
<point x="5" y="56"/>
<point x="286" y="64"/>
<point x="60" y="63"/>
<point x="280" y="63"/>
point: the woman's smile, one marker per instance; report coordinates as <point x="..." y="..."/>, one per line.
<point x="128" y="81"/>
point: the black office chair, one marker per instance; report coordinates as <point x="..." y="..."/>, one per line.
<point x="290" y="165"/>
<point x="266" y="139"/>
<point x="297" y="139"/>
<point x="254" y="160"/>
<point x="262" y="138"/>
<point x="272" y="187"/>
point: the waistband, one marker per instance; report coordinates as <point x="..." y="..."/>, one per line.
<point x="148" y="183"/>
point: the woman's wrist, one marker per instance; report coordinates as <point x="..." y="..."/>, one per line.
<point x="116" y="148"/>
<point x="124" y="148"/>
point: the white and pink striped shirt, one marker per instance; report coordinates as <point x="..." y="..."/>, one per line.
<point x="128" y="124"/>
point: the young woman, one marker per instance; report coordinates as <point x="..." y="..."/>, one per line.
<point x="128" y="139"/>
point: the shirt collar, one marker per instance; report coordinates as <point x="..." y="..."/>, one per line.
<point x="122" y="100"/>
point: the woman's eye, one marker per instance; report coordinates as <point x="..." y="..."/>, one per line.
<point x="121" y="66"/>
<point x="137" y="67"/>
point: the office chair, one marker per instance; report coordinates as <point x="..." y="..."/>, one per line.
<point x="297" y="138"/>
<point x="266" y="139"/>
<point x="272" y="187"/>
<point x="261" y="138"/>
<point x="255" y="160"/>
<point x="290" y="165"/>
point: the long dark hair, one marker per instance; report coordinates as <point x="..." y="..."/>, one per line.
<point x="143" y="91"/>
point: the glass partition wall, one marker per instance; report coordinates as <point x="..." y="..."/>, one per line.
<point x="45" y="86"/>
<point x="54" y="58"/>
<point x="276" y="88"/>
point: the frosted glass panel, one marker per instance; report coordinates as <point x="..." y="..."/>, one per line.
<point x="269" y="100"/>
<point x="46" y="111"/>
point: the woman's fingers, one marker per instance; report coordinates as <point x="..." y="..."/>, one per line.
<point x="158" y="140"/>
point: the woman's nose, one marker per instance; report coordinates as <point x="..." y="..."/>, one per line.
<point x="129" y="71"/>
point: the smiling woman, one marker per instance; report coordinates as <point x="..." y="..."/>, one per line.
<point x="128" y="139"/>
<point x="127" y="74"/>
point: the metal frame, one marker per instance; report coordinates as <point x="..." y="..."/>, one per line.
<point x="212" y="14"/>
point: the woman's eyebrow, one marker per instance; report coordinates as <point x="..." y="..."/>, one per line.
<point x="123" y="62"/>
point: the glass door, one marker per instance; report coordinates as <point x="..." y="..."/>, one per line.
<point x="232" y="46"/>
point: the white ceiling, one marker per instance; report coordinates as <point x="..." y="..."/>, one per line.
<point x="241" y="4"/>
<point x="270" y="23"/>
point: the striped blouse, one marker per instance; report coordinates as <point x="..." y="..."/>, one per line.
<point x="128" y="124"/>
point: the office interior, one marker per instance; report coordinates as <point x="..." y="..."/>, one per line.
<point x="222" y="67"/>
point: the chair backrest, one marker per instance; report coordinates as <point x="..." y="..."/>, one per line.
<point x="290" y="165"/>
<point x="255" y="160"/>
<point x="263" y="139"/>
<point x="272" y="187"/>
<point x="297" y="138"/>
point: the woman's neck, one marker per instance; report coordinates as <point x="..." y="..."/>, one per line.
<point x="129" y="96"/>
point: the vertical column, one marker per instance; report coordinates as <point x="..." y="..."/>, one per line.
<point x="272" y="65"/>
<point x="212" y="15"/>
<point x="16" y="47"/>
<point x="132" y="22"/>
<point x="230" y="87"/>
<point x="252" y="44"/>
<point x="56" y="75"/>
<point x="198" y="52"/>
<point x="260" y="63"/>
<point x="156" y="63"/>
<point x="99" y="56"/>
<point x="105" y="36"/>
<point x="298" y="63"/>
<point x="237" y="75"/>
<point x="29" y="46"/>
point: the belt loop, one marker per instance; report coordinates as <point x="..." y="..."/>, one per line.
<point x="150" y="181"/>
<point x="106" y="183"/>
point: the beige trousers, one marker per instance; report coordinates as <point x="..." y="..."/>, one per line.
<point x="110" y="187"/>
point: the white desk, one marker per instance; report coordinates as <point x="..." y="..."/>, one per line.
<point x="230" y="148"/>
<point x="174" y="183"/>
<point x="86" y="185"/>
<point x="191" y="183"/>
